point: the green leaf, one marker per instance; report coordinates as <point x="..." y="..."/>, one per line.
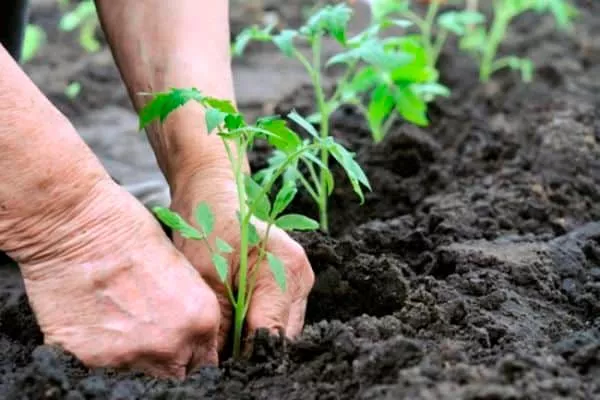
<point x="87" y="37"/>
<point x="234" y="121"/>
<point x="73" y="90"/>
<point x="177" y="223"/>
<point x="284" y="197"/>
<point x="411" y="107"/>
<point x="35" y="37"/>
<point x="300" y="120"/>
<point x="283" y="138"/>
<point x="214" y="118"/>
<point x="374" y="53"/>
<point x="332" y="20"/>
<point x="352" y="168"/>
<point x="365" y="79"/>
<point x="248" y="35"/>
<point x="165" y="103"/>
<point x="224" y="106"/>
<point x="329" y="181"/>
<point x="458" y="21"/>
<point x="380" y="9"/>
<point x="205" y="218"/>
<point x="223" y="246"/>
<point x="257" y="199"/>
<point x="474" y="41"/>
<point x="285" y="41"/>
<point x="253" y="236"/>
<point x="296" y="222"/>
<point x="523" y="65"/>
<point x="428" y="91"/>
<point x="221" y="265"/>
<point x="85" y="10"/>
<point x="381" y="105"/>
<point x="278" y="270"/>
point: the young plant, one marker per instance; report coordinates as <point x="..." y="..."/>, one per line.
<point x="391" y="72"/>
<point x="254" y="200"/>
<point x="483" y="43"/>
<point x="434" y="27"/>
<point x="84" y="18"/>
<point x="35" y="38"/>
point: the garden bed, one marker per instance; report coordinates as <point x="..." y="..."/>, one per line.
<point x="471" y="272"/>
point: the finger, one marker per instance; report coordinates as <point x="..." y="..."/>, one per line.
<point x="296" y="318"/>
<point x="204" y="354"/>
<point x="225" y="307"/>
<point x="269" y="306"/>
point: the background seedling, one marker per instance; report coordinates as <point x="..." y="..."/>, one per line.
<point x="35" y="38"/>
<point x="484" y="42"/>
<point x="84" y="18"/>
<point x="254" y="201"/>
<point x="392" y="73"/>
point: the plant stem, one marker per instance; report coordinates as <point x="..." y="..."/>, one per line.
<point x="428" y="31"/>
<point x="240" y="306"/>
<point x="499" y="25"/>
<point x="324" y="131"/>
<point x="314" y="71"/>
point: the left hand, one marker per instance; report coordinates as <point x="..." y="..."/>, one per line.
<point x="270" y="307"/>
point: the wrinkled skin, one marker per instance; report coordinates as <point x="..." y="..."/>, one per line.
<point x="109" y="294"/>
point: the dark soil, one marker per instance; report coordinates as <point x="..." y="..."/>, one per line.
<point x="472" y="271"/>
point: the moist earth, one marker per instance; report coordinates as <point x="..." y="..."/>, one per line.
<point x="472" y="271"/>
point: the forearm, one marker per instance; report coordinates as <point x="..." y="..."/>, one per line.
<point x="43" y="161"/>
<point x="159" y="45"/>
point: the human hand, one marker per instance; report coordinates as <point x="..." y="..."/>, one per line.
<point x="280" y="312"/>
<point x="107" y="285"/>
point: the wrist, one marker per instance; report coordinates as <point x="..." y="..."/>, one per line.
<point x="185" y="151"/>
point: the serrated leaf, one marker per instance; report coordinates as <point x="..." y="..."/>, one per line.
<point x="253" y="236"/>
<point x="205" y="218"/>
<point x="278" y="270"/>
<point x="223" y="246"/>
<point x="177" y="223"/>
<point x="373" y="52"/>
<point x="285" y="41"/>
<point x="380" y="106"/>
<point x="410" y="106"/>
<point x="222" y="105"/>
<point x="300" y="120"/>
<point x="380" y="9"/>
<point x="214" y="118"/>
<point x="221" y="265"/>
<point x="234" y="121"/>
<point x="165" y="103"/>
<point x="282" y="138"/>
<point x="296" y="222"/>
<point x="352" y="168"/>
<point x="332" y="20"/>
<point x="284" y="197"/>
<point x="257" y="199"/>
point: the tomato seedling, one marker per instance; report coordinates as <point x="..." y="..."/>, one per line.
<point x="433" y="28"/>
<point x="254" y="201"/>
<point x="483" y="42"/>
<point x="84" y="18"/>
<point x="391" y="72"/>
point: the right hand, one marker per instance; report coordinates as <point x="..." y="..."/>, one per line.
<point x="107" y="285"/>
